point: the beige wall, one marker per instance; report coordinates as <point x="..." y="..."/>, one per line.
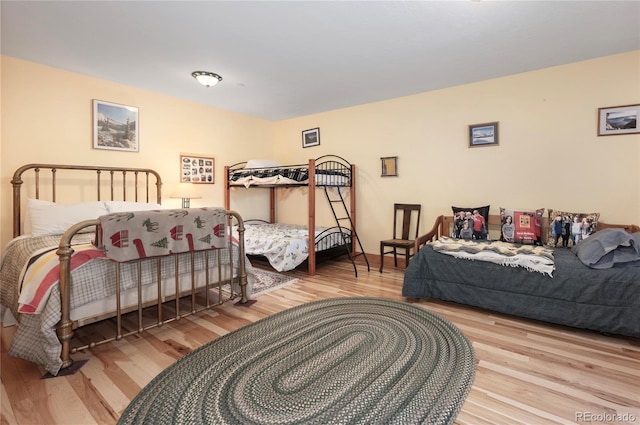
<point x="549" y="154"/>
<point x="47" y="117"/>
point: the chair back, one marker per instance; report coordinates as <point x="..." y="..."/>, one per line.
<point x="403" y="229"/>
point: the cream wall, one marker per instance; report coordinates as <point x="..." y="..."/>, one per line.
<point x="549" y="154"/>
<point x="49" y="120"/>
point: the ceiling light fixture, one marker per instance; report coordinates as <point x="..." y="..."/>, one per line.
<point x="207" y="79"/>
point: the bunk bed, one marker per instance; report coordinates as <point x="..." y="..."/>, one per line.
<point x="64" y="269"/>
<point x="334" y="175"/>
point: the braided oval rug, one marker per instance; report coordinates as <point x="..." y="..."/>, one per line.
<point x="337" y="361"/>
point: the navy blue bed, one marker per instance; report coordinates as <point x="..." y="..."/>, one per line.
<point x="606" y="300"/>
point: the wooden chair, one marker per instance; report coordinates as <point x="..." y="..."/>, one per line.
<point x="403" y="236"/>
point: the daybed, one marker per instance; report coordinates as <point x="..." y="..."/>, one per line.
<point x="288" y="246"/>
<point x="60" y="275"/>
<point x="604" y="300"/>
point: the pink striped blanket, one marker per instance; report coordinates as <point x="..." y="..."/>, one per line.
<point x="124" y="237"/>
<point x="41" y="274"/>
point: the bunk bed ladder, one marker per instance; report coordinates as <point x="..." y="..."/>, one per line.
<point x="341" y="228"/>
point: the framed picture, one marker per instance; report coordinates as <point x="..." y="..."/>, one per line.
<point x="483" y="134"/>
<point x="115" y="127"/>
<point x="389" y="166"/>
<point x="618" y="120"/>
<point x="197" y="168"/>
<point x="311" y="137"/>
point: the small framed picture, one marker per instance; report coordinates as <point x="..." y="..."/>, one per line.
<point x="389" y="166"/>
<point x="197" y="168"/>
<point x="483" y="134"/>
<point x="311" y="137"/>
<point x="115" y="127"/>
<point x="618" y="120"/>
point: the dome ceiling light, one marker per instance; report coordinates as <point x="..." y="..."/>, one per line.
<point x="207" y="79"/>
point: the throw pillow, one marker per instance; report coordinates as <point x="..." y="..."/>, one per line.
<point x="125" y="206"/>
<point x="521" y="226"/>
<point x="566" y="229"/>
<point x="47" y="218"/>
<point x="470" y="223"/>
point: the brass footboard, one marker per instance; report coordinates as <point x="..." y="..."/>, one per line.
<point x="225" y="276"/>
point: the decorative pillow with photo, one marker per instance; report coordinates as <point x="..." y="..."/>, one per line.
<point x="521" y="226"/>
<point x="470" y="223"/>
<point x="566" y="229"/>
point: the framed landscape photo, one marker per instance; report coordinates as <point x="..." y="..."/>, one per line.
<point x="197" y="169"/>
<point x="311" y="137"/>
<point x="115" y="127"/>
<point x="618" y="120"/>
<point x="483" y="134"/>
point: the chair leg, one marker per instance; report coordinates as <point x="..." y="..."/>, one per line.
<point x="406" y="260"/>
<point x="395" y="257"/>
<point x="381" y="257"/>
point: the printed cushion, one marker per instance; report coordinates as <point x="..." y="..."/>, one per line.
<point x="521" y="226"/>
<point x="568" y="228"/>
<point x="470" y="223"/>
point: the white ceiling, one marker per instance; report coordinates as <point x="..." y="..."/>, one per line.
<point x="283" y="59"/>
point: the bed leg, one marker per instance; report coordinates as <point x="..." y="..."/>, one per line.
<point x="65" y="327"/>
<point x="243" y="288"/>
<point x="65" y="334"/>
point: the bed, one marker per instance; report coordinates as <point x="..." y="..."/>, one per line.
<point x="77" y="263"/>
<point x="288" y="246"/>
<point x="604" y="300"/>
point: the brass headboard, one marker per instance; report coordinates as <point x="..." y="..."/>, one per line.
<point x="137" y="189"/>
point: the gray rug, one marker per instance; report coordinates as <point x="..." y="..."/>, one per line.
<point x="343" y="360"/>
<point x="267" y="281"/>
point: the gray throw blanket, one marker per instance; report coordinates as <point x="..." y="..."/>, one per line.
<point x="609" y="248"/>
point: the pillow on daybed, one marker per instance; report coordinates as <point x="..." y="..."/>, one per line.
<point x="49" y="218"/>
<point x="262" y="163"/>
<point x="124" y="206"/>
<point x="466" y="215"/>
<point x="573" y="227"/>
<point x="521" y="226"/>
<point x="609" y="247"/>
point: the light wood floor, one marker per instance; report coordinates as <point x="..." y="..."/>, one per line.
<point x="527" y="373"/>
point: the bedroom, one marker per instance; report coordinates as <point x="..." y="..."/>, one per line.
<point x="427" y="131"/>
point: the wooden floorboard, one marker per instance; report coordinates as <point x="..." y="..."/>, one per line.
<point x="528" y="372"/>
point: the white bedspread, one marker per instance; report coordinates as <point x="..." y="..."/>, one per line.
<point x="286" y="246"/>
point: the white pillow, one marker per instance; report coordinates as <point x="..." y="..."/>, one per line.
<point x="31" y="203"/>
<point x="124" y="206"/>
<point x="262" y="163"/>
<point x="48" y="218"/>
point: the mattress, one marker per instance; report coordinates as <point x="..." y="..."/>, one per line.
<point x="602" y="300"/>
